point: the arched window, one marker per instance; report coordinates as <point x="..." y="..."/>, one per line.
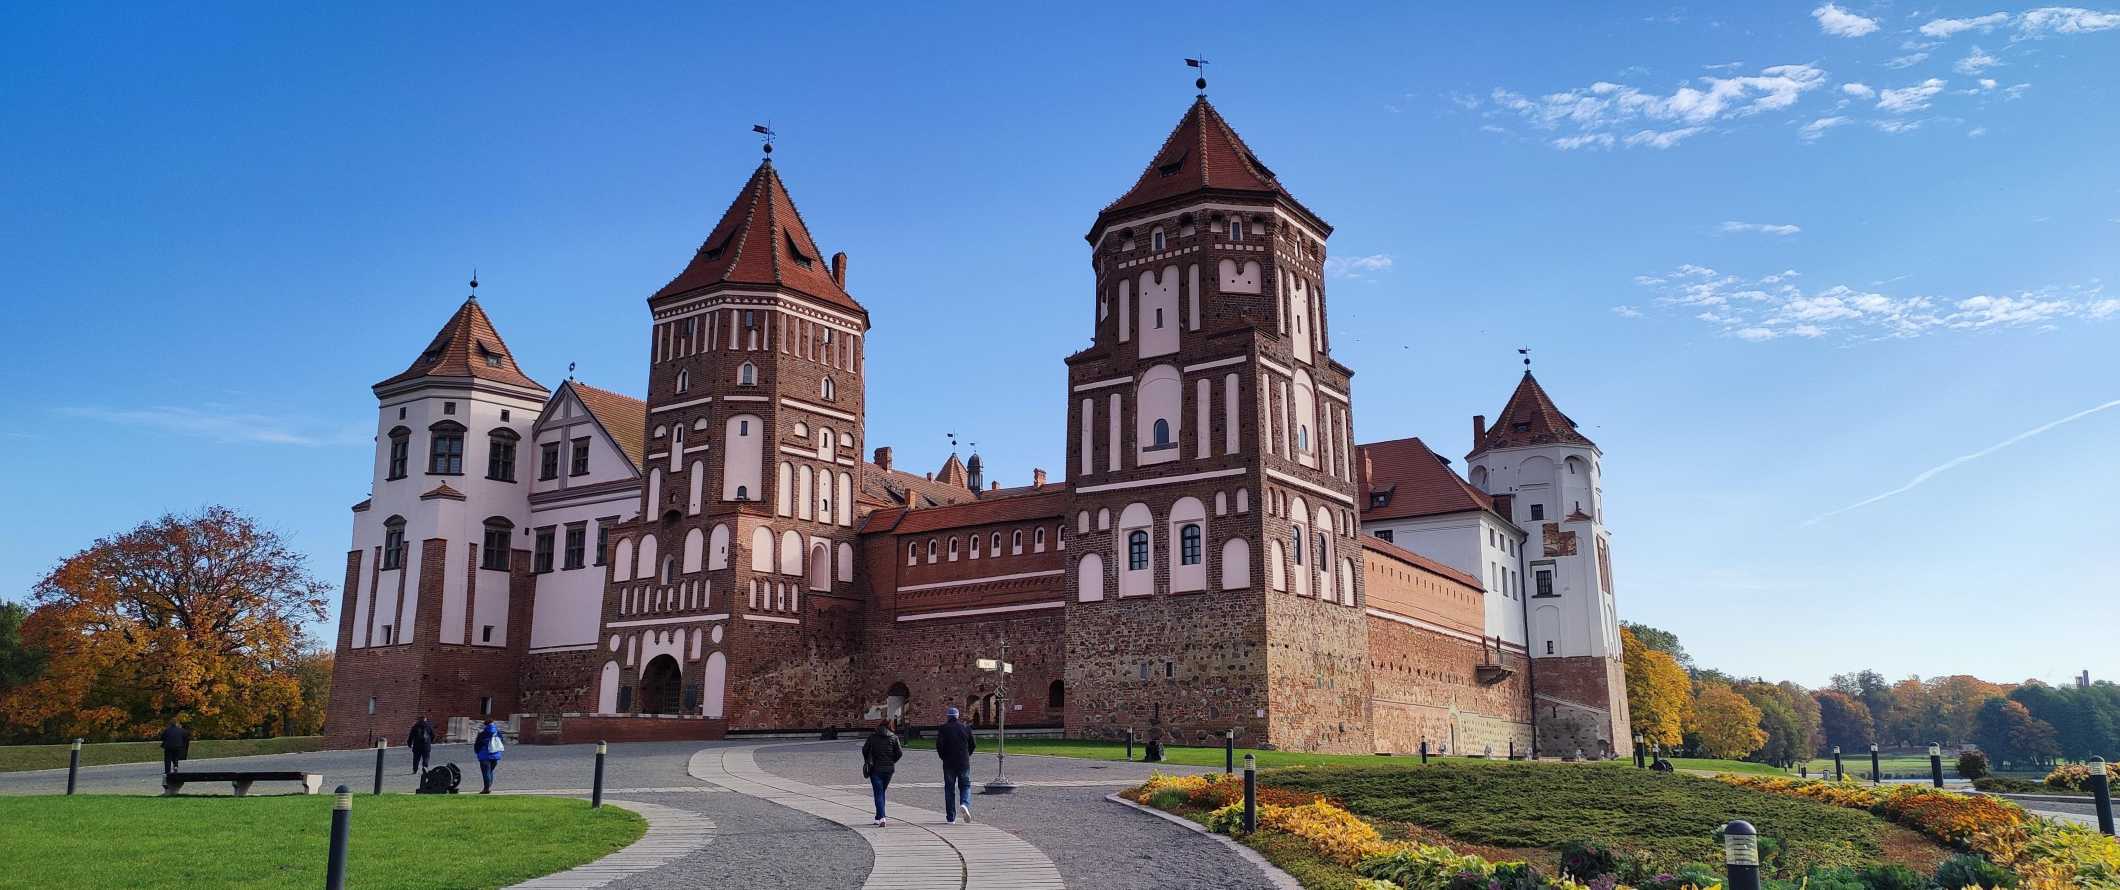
<point x="1295" y="544"/>
<point x="400" y="452"/>
<point x="912" y="553"/>
<point x="394" y="543"/>
<point x="828" y="390"/>
<point x="953" y="548"/>
<point x="997" y="543"/>
<point x="1162" y="436"/>
<point x="1236" y="229"/>
<point x="495" y="549"/>
<point x="743" y="493"/>
<point x="1056" y="695"/>
<point x="1302" y="437"/>
<point x="1137" y="550"/>
<point x="747" y="374"/>
<point x="1155" y="238"/>
<point x="1015" y="540"/>
<point x="1038" y="539"/>
<point x="931" y="550"/>
<point x="445" y="451"/>
<point x="684" y="380"/>
<point x="1189" y="545"/>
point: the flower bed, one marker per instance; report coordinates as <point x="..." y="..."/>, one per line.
<point x="2077" y="776"/>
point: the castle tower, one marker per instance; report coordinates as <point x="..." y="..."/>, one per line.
<point x="1215" y="578"/>
<point x="1549" y="470"/>
<point x="438" y="586"/>
<point x="733" y="595"/>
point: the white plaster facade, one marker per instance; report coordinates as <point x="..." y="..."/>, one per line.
<point x="1556" y="491"/>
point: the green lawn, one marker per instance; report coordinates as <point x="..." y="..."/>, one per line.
<point x="397" y="840"/>
<point x="1097" y="750"/>
<point x="14" y="758"/>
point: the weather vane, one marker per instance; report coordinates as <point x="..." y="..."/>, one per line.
<point x="1526" y="353"/>
<point x="474" y="282"/>
<point x="570" y="370"/>
<point x="1201" y="81"/>
<point x="765" y="130"/>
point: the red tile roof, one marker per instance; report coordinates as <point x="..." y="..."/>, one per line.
<point x="1379" y="545"/>
<point x="761" y="240"/>
<point x="1414" y="482"/>
<point x="468" y="345"/>
<point x="1530" y="418"/>
<point x="953" y="473"/>
<point x="893" y="488"/>
<point x="623" y="416"/>
<point x="1202" y="152"/>
<point x="1047" y="503"/>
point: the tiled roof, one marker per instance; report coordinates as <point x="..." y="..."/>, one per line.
<point x="953" y="473"/>
<point x="1414" y="482"/>
<point x="442" y="491"/>
<point x="1202" y="152"/>
<point x="467" y="346"/>
<point x="1048" y="503"/>
<point x="761" y="240"/>
<point x="892" y="488"/>
<point x="623" y="416"/>
<point x="1372" y="542"/>
<point x="1530" y="418"/>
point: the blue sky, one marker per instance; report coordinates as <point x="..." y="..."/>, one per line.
<point x="1777" y="261"/>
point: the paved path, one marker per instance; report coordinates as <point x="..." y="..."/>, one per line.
<point x="672" y="834"/>
<point x="920" y="851"/>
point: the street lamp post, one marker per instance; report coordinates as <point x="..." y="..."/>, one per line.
<point x="1002" y="669"/>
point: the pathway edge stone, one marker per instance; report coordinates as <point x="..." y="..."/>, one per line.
<point x="672" y="835"/>
<point x="1273" y="873"/>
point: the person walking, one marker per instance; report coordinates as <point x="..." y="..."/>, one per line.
<point x="489" y="748"/>
<point x="879" y="757"/>
<point x="176" y="745"/>
<point x="421" y="741"/>
<point x="954" y="744"/>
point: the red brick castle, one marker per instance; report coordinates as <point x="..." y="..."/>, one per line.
<point x="1221" y="556"/>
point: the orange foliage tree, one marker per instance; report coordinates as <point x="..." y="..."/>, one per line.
<point x="1727" y="723"/>
<point x="199" y="615"/>
<point x="1659" y="695"/>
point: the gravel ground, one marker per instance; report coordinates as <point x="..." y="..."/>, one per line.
<point x="759" y="846"/>
<point x="1095" y="843"/>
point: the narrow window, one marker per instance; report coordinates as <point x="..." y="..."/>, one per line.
<point x="494" y="555"/>
<point x="393" y="543"/>
<point x="997" y="543"/>
<point x="1295" y="544"/>
<point x="1038" y="539"/>
<point x="603" y="542"/>
<point x="1545" y="583"/>
<point x="1159" y="318"/>
<point x="400" y="451"/>
<point x="684" y="381"/>
<point x="912" y="554"/>
<point x="1538" y="511"/>
<point x="931" y="550"/>
<point x="1189" y="545"/>
<point x="577" y="542"/>
<point x="1136" y="551"/>
<point x="445" y="456"/>
<point x="548" y="460"/>
<point x="1236" y="229"/>
<point x="485" y="705"/>
<point x="743" y="492"/>
<point x="747" y="373"/>
<point x="1302" y="437"/>
<point x="1155" y="242"/>
<point x="486" y="634"/>
<point x="1162" y="433"/>
<point x="581" y="457"/>
<point x="1015" y="540"/>
<point x="500" y="456"/>
<point x="830" y="391"/>
<point x="1549" y="647"/>
<point x="541" y="554"/>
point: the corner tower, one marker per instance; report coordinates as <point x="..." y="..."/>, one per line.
<point x="733" y="596"/>
<point x="1550" y="472"/>
<point x="1216" y="579"/>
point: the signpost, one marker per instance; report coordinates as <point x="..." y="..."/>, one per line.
<point x="1002" y="669"/>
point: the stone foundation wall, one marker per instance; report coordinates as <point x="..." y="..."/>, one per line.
<point x="934" y="659"/>
<point x="1425" y="685"/>
<point x="1582" y="703"/>
<point x="1319" y="684"/>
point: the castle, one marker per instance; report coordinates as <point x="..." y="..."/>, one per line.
<point x="1220" y="557"/>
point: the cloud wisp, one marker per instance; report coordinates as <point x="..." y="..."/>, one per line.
<point x="1731" y="227"/>
<point x="1960" y="460"/>
<point x="1357" y="266"/>
<point x="1841" y="23"/>
<point x="1606" y="114"/>
<point x="1777" y="306"/>
<point x="221" y="423"/>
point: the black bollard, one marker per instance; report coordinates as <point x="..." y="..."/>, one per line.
<point x="1876" y="771"/>
<point x="1641" y="753"/>
<point x="2102" y="792"/>
<point x="1840" y="772"/>
<point x="1424" y="750"/>
<point x="1936" y="765"/>
<point x="596" y="791"/>
<point x="380" y="744"/>
<point x="1512" y="751"/>
<point x="73" y="766"/>
<point x="1251" y="794"/>
<point x="1229" y="751"/>
<point x="1129" y="745"/>
<point x="1741" y="856"/>
<point x="341" y="819"/>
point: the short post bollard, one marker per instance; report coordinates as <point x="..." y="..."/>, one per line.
<point x="1876" y="771"/>
<point x="1741" y="856"/>
<point x="1936" y="764"/>
<point x="1840" y="772"/>
<point x="341" y="819"/>
<point x="1251" y="794"/>
<point x="73" y="766"/>
<point x="1424" y="750"/>
<point x="380" y="744"/>
<point x="1129" y="745"/>
<point x="596" y="791"/>
<point x="1512" y="749"/>
<point x="1229" y="751"/>
<point x="2102" y="792"/>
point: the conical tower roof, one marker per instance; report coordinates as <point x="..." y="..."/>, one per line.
<point x="1530" y="418"/>
<point x="953" y="472"/>
<point x="761" y="240"/>
<point x="1202" y="153"/>
<point x="468" y="345"/>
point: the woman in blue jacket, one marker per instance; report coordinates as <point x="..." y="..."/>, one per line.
<point x="489" y="748"/>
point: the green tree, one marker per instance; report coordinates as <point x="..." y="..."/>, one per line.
<point x="1657" y="640"/>
<point x="2008" y="732"/>
<point x="1844" y="721"/>
<point x="1875" y="693"/>
<point x="1787" y="741"/>
<point x="19" y="664"/>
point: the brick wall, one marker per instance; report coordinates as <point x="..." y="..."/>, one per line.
<point x="1425" y="685"/>
<point x="1578" y="700"/>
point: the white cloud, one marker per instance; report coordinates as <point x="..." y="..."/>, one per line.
<point x="1815" y="129"/>
<point x="1941" y="28"/>
<point x="1734" y="226"/>
<point x="1774" y="306"/>
<point x="1841" y="23"/>
<point x="1626" y="312"/>
<point x="1357" y="266"/>
<point x="221" y="423"/>
<point x="1590" y="140"/>
<point x="1595" y="113"/>
<point x="1976" y="62"/>
<point x="2050" y="20"/>
<point x="1909" y="99"/>
<point x="1895" y="125"/>
<point x="2015" y="90"/>
<point x="1955" y="462"/>
<point x="1858" y="90"/>
<point x="1976" y="132"/>
<point x="1908" y="60"/>
<point x="1662" y="139"/>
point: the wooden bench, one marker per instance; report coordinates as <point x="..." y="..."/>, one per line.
<point x="174" y="782"/>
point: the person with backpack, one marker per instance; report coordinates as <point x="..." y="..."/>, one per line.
<point x="954" y="744"/>
<point x="176" y="745"/>
<point x="489" y="746"/>
<point x="421" y="741"/>
<point x="879" y="758"/>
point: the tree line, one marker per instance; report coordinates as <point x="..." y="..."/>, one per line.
<point x="198" y="616"/>
<point x="1702" y="711"/>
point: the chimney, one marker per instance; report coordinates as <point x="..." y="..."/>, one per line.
<point x="931" y="476"/>
<point x="883" y="459"/>
<point x="839" y="268"/>
<point x="1368" y="469"/>
<point x="1037" y="478"/>
<point x="1479" y="430"/>
<point x="994" y="486"/>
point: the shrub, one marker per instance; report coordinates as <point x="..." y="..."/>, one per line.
<point x="1583" y="860"/>
<point x="1694" y="876"/>
<point x="1422" y="867"/>
<point x="1972" y="764"/>
<point x="2076" y="776"/>
<point x="1839" y="878"/>
<point x="1963" y="870"/>
<point x="1168" y="799"/>
<point x="1892" y="877"/>
<point x="2000" y="785"/>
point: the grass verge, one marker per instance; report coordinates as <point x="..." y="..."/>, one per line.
<point x="1184" y="756"/>
<point x="15" y="758"/>
<point x="397" y="841"/>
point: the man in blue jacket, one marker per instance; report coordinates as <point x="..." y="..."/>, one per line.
<point x="954" y="744"/>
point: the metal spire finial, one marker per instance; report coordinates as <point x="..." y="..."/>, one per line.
<point x="1200" y="82"/>
<point x="474" y="282"/>
<point x="570" y="370"/>
<point x="1526" y="353"/>
<point x="766" y="130"/>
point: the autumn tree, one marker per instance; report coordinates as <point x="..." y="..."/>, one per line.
<point x="1728" y="724"/>
<point x="1660" y="640"/>
<point x="18" y="663"/>
<point x="312" y="674"/>
<point x="1658" y="693"/>
<point x="199" y="615"/>
<point x="1844" y="721"/>
<point x="2008" y="732"/>
<point x="1787" y="739"/>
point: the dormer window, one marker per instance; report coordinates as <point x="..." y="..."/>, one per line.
<point x="801" y="259"/>
<point x="1155" y="239"/>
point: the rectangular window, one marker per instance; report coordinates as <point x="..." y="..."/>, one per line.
<point x="494" y="555"/>
<point x="500" y="461"/>
<point x="548" y="460"/>
<point x="577" y="541"/>
<point x="541" y="557"/>
<point x="1383" y="534"/>
<point x="386" y="634"/>
<point x="603" y="542"/>
<point x="446" y="457"/>
<point x="486" y="634"/>
<point x="393" y="548"/>
<point x="581" y="457"/>
<point x="485" y="702"/>
<point x="1137" y="551"/>
<point x="1538" y="511"/>
<point x="400" y="455"/>
<point x="1544" y="580"/>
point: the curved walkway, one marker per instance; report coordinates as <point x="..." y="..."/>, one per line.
<point x="920" y="850"/>
<point x="672" y="834"/>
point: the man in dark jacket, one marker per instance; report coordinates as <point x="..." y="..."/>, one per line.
<point x="954" y="744"/>
<point x="421" y="741"/>
<point x="176" y="745"/>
